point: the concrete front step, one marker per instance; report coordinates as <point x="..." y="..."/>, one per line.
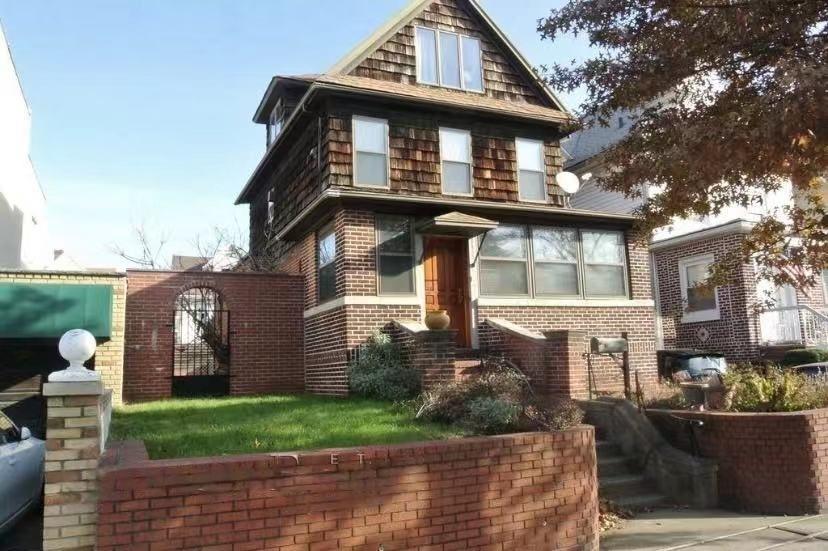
<point x="640" y="501"/>
<point x="620" y="483"/>
<point x="623" y="485"/>
<point x="605" y="448"/>
<point x="612" y="465"/>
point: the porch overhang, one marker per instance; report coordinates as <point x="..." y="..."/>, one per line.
<point x="456" y="224"/>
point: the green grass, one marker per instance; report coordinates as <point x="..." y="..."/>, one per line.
<point x="225" y="426"/>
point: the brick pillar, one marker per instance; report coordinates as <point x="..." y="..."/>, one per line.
<point x="74" y="436"/>
<point x="432" y="354"/>
<point x="566" y="367"/>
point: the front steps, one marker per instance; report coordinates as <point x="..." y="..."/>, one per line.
<point x="622" y="484"/>
<point x="467" y="362"/>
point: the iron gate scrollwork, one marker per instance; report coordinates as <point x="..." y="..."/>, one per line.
<point x="201" y="344"/>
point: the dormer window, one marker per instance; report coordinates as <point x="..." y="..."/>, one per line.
<point x="276" y="122"/>
<point x="448" y="59"/>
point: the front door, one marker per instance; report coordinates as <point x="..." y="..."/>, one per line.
<point x="447" y="281"/>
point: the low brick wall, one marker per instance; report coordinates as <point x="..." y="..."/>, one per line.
<point x="522" y="491"/>
<point x="768" y="462"/>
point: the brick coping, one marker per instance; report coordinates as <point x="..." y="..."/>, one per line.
<point x="73" y="273"/>
<point x="208" y="273"/>
<point x="130" y="454"/>
<point x="746" y="414"/>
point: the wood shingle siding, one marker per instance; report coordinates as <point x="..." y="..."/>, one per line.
<point x="395" y="60"/>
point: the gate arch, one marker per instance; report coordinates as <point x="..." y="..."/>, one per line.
<point x="201" y="344"/>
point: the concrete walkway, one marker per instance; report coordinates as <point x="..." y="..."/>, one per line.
<point x="694" y="530"/>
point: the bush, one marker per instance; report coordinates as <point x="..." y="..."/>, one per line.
<point x="799" y="356"/>
<point x="491" y="415"/>
<point x="773" y="390"/>
<point x="379" y="372"/>
<point x="498" y="400"/>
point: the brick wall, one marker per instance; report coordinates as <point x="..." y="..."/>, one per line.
<point x="266" y="330"/>
<point x="523" y="491"/>
<point x="109" y="356"/>
<point x="768" y="462"/>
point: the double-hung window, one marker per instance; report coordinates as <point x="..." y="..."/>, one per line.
<point x="455" y="155"/>
<point x="555" y="253"/>
<point x="326" y="261"/>
<point x="395" y="255"/>
<point x="604" y="263"/>
<point x="448" y="59"/>
<point x="276" y="121"/>
<point x="370" y="138"/>
<point x="503" y="262"/>
<point x="531" y="170"/>
<point x="700" y="300"/>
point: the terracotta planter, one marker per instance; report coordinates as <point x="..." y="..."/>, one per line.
<point x="437" y="320"/>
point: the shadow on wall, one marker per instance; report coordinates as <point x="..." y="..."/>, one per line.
<point x="11" y="230"/>
<point x="27" y="307"/>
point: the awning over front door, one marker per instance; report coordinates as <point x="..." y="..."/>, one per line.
<point x="456" y="223"/>
<point x="45" y="310"/>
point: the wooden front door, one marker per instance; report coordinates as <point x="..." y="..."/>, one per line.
<point x="447" y="281"/>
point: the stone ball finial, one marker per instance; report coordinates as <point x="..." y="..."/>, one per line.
<point x="76" y="346"/>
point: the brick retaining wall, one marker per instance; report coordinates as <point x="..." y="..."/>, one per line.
<point x="522" y="491"/>
<point x="768" y="462"/>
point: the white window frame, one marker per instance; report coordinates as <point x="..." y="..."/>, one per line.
<point x="526" y="260"/>
<point x="470" y="162"/>
<point x="699" y="315"/>
<point x="321" y="234"/>
<point x="354" y="150"/>
<point x="579" y="276"/>
<point x="543" y="172"/>
<point x="439" y="82"/>
<point x="412" y="255"/>
<point x="624" y="264"/>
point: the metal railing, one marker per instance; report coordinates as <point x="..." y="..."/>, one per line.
<point x="794" y="324"/>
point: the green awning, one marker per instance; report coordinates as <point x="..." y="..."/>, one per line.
<point x="37" y="311"/>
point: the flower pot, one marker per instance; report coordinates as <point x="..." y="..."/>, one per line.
<point x="437" y="320"/>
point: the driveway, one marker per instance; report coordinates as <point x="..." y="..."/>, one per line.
<point x="695" y="530"/>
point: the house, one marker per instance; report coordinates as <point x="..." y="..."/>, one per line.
<point x="727" y="319"/>
<point x="418" y="173"/>
<point x="25" y="239"/>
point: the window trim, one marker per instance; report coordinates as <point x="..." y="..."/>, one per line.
<point x="412" y="255"/>
<point x="624" y="264"/>
<point x="470" y="162"/>
<point x="543" y="172"/>
<point x="325" y="231"/>
<point x="355" y="151"/>
<point x="439" y="52"/>
<point x="527" y="260"/>
<point x="578" y="263"/>
<point x="711" y="314"/>
<point x="824" y="285"/>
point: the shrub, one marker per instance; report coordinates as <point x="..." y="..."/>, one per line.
<point x="562" y="415"/>
<point x="773" y="390"/>
<point x="799" y="356"/>
<point x="665" y="396"/>
<point x="491" y="415"/>
<point x="379" y="371"/>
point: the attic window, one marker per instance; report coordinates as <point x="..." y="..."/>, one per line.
<point x="448" y="59"/>
<point x="276" y="121"/>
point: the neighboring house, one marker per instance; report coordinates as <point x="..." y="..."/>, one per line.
<point x="419" y="173"/>
<point x="186" y="263"/>
<point x="725" y="320"/>
<point x="25" y="239"/>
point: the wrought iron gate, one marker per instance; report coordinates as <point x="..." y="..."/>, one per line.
<point x="201" y="344"/>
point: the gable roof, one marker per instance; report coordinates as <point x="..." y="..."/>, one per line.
<point x="365" y="48"/>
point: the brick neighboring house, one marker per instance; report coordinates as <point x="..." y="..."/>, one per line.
<point x="726" y="320"/>
<point x="419" y="173"/>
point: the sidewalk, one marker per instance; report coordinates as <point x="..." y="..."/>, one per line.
<point x="714" y="529"/>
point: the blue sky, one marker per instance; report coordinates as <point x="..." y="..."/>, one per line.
<point x="142" y="109"/>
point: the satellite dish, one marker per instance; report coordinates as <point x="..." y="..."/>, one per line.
<point x="568" y="182"/>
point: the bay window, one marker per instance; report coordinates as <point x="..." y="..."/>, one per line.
<point x="503" y="262"/>
<point x="448" y="59"/>
<point x="395" y="255"/>
<point x="370" y="137"/>
<point x="531" y="170"/>
<point x="553" y="262"/>
<point x="326" y="262"/>
<point x="456" y="162"/>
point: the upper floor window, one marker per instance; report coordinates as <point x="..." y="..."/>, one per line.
<point x="456" y="161"/>
<point x="370" y="152"/>
<point x="448" y="59"/>
<point x="700" y="300"/>
<point x="531" y="170"/>
<point x="276" y="121"/>
<point x="271" y="206"/>
<point x="395" y="255"/>
<point x="326" y="262"/>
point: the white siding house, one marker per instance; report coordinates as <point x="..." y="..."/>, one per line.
<point x="24" y="236"/>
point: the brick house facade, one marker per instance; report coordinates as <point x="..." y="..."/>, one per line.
<point x="391" y="191"/>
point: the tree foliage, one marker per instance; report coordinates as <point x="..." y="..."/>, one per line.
<point x="728" y="99"/>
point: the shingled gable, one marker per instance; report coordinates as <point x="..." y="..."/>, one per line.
<point x="389" y="53"/>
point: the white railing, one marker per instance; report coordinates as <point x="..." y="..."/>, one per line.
<point x="794" y="324"/>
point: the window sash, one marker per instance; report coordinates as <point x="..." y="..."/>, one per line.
<point x="326" y="264"/>
<point x="425" y="35"/>
<point x="455" y="153"/>
<point x="361" y="128"/>
<point x="691" y="293"/>
<point x="474" y="82"/>
<point x="383" y="279"/>
<point x="530" y="160"/>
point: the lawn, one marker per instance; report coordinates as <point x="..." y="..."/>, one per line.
<point x="226" y="426"/>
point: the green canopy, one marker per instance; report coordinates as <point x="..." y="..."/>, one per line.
<point x="46" y="310"/>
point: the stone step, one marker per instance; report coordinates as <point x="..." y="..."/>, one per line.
<point x="605" y="448"/>
<point x="612" y="465"/>
<point x="623" y="485"/>
<point x="641" y="501"/>
<point x="465" y="368"/>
